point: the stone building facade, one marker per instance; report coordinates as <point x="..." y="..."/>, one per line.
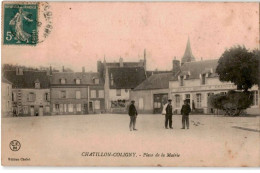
<point x="30" y="92"/>
<point x="6" y="97"/>
<point x="76" y="93"/>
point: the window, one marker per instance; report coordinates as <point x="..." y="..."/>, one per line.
<point x="203" y="79"/>
<point x="157" y="105"/>
<point x="63" y="81"/>
<point x="101" y="94"/>
<point x="77" y="81"/>
<point x="70" y="107"/>
<point x="93" y="94"/>
<point x="181" y="81"/>
<point x="118" y="92"/>
<point x="13" y="97"/>
<point x="141" y="103"/>
<point x="57" y="107"/>
<point x="177" y="100"/>
<point x="78" y="95"/>
<point x="31" y="97"/>
<point x="8" y="90"/>
<point x="47" y="96"/>
<point x="25" y="109"/>
<point x="255" y="98"/>
<point x="126" y="90"/>
<point x="96" y="81"/>
<point x="65" y="107"/>
<point x="198" y="97"/>
<point x="61" y="107"/>
<point x="112" y="82"/>
<point x="63" y="94"/>
<point x="97" y="104"/>
<point x="78" y="107"/>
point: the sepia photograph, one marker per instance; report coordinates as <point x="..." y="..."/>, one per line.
<point x="130" y="84"/>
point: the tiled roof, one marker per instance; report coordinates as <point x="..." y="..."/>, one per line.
<point x="70" y="77"/>
<point x="150" y="73"/>
<point x="126" y="77"/>
<point x="156" y="81"/>
<point x="27" y="80"/>
<point x="196" y="68"/>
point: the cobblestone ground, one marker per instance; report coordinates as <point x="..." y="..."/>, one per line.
<point x="62" y="140"/>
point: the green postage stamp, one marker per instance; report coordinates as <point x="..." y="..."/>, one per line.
<point x="20" y="24"/>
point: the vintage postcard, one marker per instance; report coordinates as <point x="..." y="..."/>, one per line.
<point x="165" y="84"/>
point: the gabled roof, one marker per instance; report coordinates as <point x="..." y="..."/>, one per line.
<point x="188" y="56"/>
<point x="196" y="68"/>
<point x="27" y="80"/>
<point x="4" y="80"/>
<point x="86" y="78"/>
<point x="126" y="77"/>
<point x="156" y="81"/>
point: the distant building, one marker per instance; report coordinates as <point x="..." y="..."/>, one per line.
<point x="196" y="81"/>
<point x="153" y="93"/>
<point x="6" y="97"/>
<point x="188" y="56"/>
<point x="30" y="91"/>
<point x="77" y="93"/>
<point x="120" y="78"/>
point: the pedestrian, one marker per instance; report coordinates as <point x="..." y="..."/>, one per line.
<point x="168" y="115"/>
<point x="133" y="115"/>
<point x="185" y="111"/>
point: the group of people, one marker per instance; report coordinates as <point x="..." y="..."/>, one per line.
<point x="167" y="111"/>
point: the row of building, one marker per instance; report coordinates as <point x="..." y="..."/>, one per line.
<point x="111" y="88"/>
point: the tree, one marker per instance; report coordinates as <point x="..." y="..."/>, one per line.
<point x="232" y="103"/>
<point x="239" y="66"/>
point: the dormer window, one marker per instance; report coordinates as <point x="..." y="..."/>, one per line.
<point x="37" y="84"/>
<point x="63" y="81"/>
<point x="77" y="81"/>
<point x="96" y="81"/>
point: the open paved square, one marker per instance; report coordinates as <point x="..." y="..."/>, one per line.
<point x="65" y="140"/>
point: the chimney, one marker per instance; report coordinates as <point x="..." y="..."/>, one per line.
<point x="63" y="70"/>
<point x="175" y="66"/>
<point x="83" y="69"/>
<point x="121" y="63"/>
<point x="50" y="70"/>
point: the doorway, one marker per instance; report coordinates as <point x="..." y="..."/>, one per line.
<point x="41" y="111"/>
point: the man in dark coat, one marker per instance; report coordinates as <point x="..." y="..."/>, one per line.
<point x="132" y="112"/>
<point x="185" y="111"/>
<point x="168" y="115"/>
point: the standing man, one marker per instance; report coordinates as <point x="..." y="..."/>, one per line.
<point x="168" y="116"/>
<point x="133" y="114"/>
<point x="185" y="111"/>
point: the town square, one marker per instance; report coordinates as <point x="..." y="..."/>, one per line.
<point x="226" y="139"/>
<point x="130" y="84"/>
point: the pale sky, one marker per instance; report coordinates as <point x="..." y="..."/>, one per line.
<point x="88" y="31"/>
